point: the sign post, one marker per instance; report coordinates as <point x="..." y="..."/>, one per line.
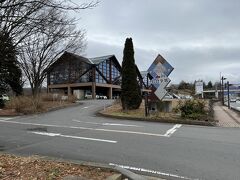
<point x="159" y="70"/>
<point x="199" y="88"/>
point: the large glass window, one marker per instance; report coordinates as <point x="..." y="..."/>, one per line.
<point x="99" y="78"/>
<point x="103" y="67"/>
<point x="66" y="72"/>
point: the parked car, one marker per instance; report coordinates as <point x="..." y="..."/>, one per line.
<point x="115" y="97"/>
<point x="233" y="99"/>
<point x="238" y="100"/>
<point x="104" y="97"/>
<point x="88" y="95"/>
<point x="4" y="97"/>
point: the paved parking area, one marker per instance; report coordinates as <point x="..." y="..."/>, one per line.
<point x="174" y="151"/>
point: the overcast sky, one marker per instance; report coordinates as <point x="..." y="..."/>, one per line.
<point x="200" y="38"/>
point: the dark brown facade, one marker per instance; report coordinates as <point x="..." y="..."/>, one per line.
<point x="98" y="76"/>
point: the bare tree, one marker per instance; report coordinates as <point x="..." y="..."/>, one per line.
<point x="40" y="32"/>
<point x="21" y="18"/>
<point x="41" y="49"/>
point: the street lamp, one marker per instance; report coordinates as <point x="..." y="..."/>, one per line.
<point x="222" y="87"/>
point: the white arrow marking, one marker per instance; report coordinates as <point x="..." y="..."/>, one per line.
<point x="172" y="130"/>
<point x="106" y="124"/>
<point x="74" y="137"/>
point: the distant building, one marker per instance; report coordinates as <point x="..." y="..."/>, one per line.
<point x="95" y="76"/>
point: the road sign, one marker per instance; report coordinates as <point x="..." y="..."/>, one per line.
<point x="198" y="87"/>
<point x="161" y="91"/>
<point x="160" y="70"/>
<point x="160" y="66"/>
<point x="159" y="80"/>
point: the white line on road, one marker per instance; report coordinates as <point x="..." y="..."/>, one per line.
<point x="8" y="118"/>
<point x="151" y="171"/>
<point x="86" y="128"/>
<point x="5" y="118"/>
<point x="172" y="130"/>
<point x="73" y="137"/>
<point x="107" y="124"/>
<point x="85" y="107"/>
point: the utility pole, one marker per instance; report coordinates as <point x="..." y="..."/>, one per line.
<point x="228" y="95"/>
<point x="222" y="86"/>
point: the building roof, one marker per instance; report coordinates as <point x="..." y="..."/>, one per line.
<point x="97" y="60"/>
<point x="144" y="73"/>
<point x="81" y="58"/>
<point x="91" y="61"/>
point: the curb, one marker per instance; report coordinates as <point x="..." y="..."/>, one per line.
<point x="124" y="173"/>
<point x="128" y="174"/>
<point x="189" y="122"/>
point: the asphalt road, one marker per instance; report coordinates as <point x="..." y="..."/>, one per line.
<point x="156" y="149"/>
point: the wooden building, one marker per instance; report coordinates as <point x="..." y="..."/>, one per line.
<point x="98" y="76"/>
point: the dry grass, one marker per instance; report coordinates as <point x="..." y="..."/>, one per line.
<point x="24" y="168"/>
<point x="41" y="103"/>
<point x="25" y="104"/>
<point x="116" y="110"/>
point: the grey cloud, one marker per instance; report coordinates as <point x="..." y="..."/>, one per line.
<point x="200" y="38"/>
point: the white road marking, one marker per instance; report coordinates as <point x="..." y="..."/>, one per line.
<point x="85" y="128"/>
<point x="86" y="107"/>
<point x="172" y="130"/>
<point x="5" y="118"/>
<point x="130" y="132"/>
<point x="107" y="124"/>
<point x="151" y="171"/>
<point x="73" y="137"/>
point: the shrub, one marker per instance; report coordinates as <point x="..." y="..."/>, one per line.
<point x="51" y="97"/>
<point x="72" y="99"/>
<point x="192" y="109"/>
<point x="25" y="104"/>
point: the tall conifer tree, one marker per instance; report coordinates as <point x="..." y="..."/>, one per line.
<point x="11" y="74"/>
<point x="131" y="93"/>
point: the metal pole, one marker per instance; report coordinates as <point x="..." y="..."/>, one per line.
<point x="222" y="93"/>
<point x="220" y="88"/>
<point x="228" y="95"/>
<point x="146" y="100"/>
